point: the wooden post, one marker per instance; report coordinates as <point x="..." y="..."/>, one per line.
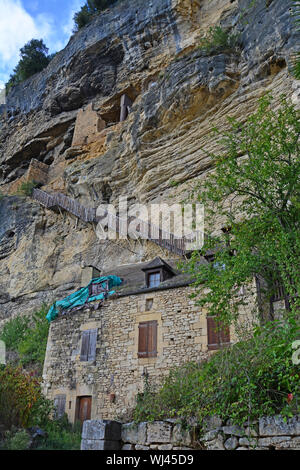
<point x="126" y="104"/>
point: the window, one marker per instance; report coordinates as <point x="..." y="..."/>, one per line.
<point x="97" y="289"/>
<point x="59" y="406"/>
<point x="216" y="337"/>
<point x="88" y="346"/>
<point x="149" y="305"/>
<point x="154" y="279"/>
<point x="147" y="339"/>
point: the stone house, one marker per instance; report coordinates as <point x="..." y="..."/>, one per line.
<point x="98" y="357"/>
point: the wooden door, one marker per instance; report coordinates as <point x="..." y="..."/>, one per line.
<point x="84" y="407"/>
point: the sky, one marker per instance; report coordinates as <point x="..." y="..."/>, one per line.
<point x="23" y="20"/>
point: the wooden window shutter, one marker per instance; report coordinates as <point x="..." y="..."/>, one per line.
<point x="60" y="406"/>
<point x="92" y="345"/>
<point x="152" y="339"/>
<point x="224" y="335"/>
<point x="147" y="339"/>
<point x="143" y="340"/>
<point x="216" y="336"/>
<point x="212" y="334"/>
<point x="88" y="346"/>
<point x="85" y="339"/>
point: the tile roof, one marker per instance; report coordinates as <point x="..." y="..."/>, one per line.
<point x="134" y="277"/>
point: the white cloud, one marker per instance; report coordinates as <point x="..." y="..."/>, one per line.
<point x="16" y="28"/>
<point x="69" y="25"/>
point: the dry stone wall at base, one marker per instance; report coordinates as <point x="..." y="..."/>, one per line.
<point x="268" y="433"/>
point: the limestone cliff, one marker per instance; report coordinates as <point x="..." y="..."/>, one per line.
<point x="148" y="51"/>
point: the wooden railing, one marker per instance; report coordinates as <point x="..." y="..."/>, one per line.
<point x="65" y="202"/>
<point x="144" y="230"/>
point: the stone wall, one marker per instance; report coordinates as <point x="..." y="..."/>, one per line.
<point x="88" y="126"/>
<point x="37" y="172"/>
<point x="268" y="433"/>
<point x="117" y="370"/>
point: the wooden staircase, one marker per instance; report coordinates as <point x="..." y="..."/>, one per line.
<point x="148" y="231"/>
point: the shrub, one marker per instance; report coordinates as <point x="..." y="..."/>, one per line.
<point x="26" y="188"/>
<point x="28" y="337"/>
<point x="13" y="332"/>
<point x="61" y="436"/>
<point x="255" y="377"/>
<point x="22" y="403"/>
<point x="33" y="344"/>
<point x="16" y="440"/>
<point x="218" y="40"/>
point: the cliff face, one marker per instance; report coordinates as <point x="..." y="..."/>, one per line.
<point x="150" y="53"/>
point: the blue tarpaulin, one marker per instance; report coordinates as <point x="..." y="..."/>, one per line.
<point x="81" y="296"/>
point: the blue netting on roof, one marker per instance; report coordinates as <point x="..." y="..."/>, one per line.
<point x="81" y="296"/>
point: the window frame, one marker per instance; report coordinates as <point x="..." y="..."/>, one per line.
<point x="153" y="273"/>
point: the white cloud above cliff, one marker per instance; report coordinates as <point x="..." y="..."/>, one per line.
<point x="22" y="20"/>
<point x="16" y="28"/>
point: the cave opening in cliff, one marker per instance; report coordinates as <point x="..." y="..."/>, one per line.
<point x="118" y="109"/>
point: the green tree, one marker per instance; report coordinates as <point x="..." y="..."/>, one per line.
<point x="32" y="347"/>
<point x="89" y="10"/>
<point x="255" y="187"/>
<point x="34" y="58"/>
<point x="82" y="17"/>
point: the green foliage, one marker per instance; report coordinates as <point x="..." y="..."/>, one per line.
<point x="219" y="40"/>
<point x="173" y="183"/>
<point x="16" y="440"/>
<point x="258" y="196"/>
<point x="251" y="379"/>
<point x="32" y="347"/>
<point x="89" y="10"/>
<point x="21" y="400"/>
<point x="13" y="332"/>
<point x="28" y="336"/>
<point x="26" y="188"/>
<point x="34" y="58"/>
<point x="82" y="17"/>
<point x="61" y="435"/>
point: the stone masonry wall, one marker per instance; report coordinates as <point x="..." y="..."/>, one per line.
<point x="87" y="127"/>
<point x="37" y="172"/>
<point x="268" y="433"/>
<point x="118" y="372"/>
